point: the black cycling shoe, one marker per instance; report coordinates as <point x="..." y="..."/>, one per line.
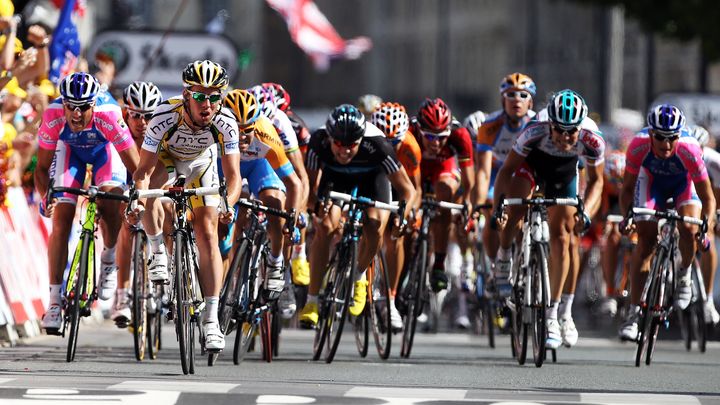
<point x="438" y="280"/>
<point x="401" y="304"/>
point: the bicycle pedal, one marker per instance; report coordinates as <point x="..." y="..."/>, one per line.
<point x="122" y="323"/>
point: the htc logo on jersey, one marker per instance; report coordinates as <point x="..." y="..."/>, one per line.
<point x="160" y="126"/>
<point x="192" y="141"/>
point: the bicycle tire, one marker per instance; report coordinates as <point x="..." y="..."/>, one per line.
<point x="276" y="328"/>
<point x="266" y="335"/>
<point x="414" y="301"/>
<point x="182" y="311"/>
<point x="539" y="267"/>
<point x="361" y="329"/>
<point x="341" y="302"/>
<point x="328" y="288"/>
<point x="191" y="339"/>
<point x="78" y="290"/>
<point x="226" y="302"/>
<point x="154" y="331"/>
<point x="490" y="315"/>
<point x="652" y="339"/>
<point x="139" y="294"/>
<point x="380" y="307"/>
<point x="519" y="326"/>
<point x="698" y="308"/>
<point x="685" y="321"/>
<point x="247" y="292"/>
<point x="646" y="310"/>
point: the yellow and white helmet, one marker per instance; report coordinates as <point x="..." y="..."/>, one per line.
<point x="205" y="73"/>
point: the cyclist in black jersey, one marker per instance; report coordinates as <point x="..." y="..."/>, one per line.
<point x="347" y="153"/>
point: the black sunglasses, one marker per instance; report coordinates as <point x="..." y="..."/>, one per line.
<point x="562" y="130"/>
<point x="81" y="107"/>
<point x="663" y="138"/>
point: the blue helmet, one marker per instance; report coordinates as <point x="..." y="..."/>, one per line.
<point x="567" y="109"/>
<point x="666" y="119"/>
<point x="79" y="88"/>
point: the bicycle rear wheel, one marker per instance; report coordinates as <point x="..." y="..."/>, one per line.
<point x="140" y="294"/>
<point x="539" y="268"/>
<point x="340" y="302"/>
<point x="182" y="304"/>
<point x="414" y="296"/>
<point x="154" y="324"/>
<point x="275" y="329"/>
<point x="487" y="304"/>
<point x="519" y="326"/>
<point x="379" y="307"/>
<point x="78" y="294"/>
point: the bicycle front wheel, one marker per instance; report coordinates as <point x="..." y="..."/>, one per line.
<point x="362" y="333"/>
<point x="340" y="302"/>
<point x="155" y="318"/>
<point x="647" y="330"/>
<point x="247" y="292"/>
<point x="539" y="268"/>
<point x="414" y="295"/>
<point x="140" y="294"/>
<point x="379" y="306"/>
<point x="78" y="293"/>
<point x="182" y="302"/>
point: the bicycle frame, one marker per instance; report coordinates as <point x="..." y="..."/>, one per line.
<point x="89" y="226"/>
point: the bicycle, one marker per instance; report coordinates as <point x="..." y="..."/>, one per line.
<point x="692" y="318"/>
<point x="530" y="278"/>
<point x="146" y="299"/>
<point x="80" y="290"/>
<point x="414" y="292"/>
<point x="622" y="274"/>
<point x="336" y="293"/>
<point x="186" y="296"/>
<point x="376" y="315"/>
<point x="241" y="305"/>
<point x="656" y="300"/>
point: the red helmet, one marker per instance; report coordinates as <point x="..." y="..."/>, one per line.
<point x="434" y="115"/>
<point x="281" y="96"/>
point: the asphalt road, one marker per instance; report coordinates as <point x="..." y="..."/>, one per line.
<point x="444" y="368"/>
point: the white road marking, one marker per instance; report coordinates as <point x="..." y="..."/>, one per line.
<point x="656" y="399"/>
<point x="284" y="399"/>
<point x="410" y="393"/>
<point x="6" y="380"/>
<point x="180" y="386"/>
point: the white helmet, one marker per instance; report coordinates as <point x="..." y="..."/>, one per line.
<point x="473" y="122"/>
<point x="142" y="96"/>
<point x="700" y="133"/>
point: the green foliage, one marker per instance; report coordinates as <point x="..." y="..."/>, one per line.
<point x="680" y="19"/>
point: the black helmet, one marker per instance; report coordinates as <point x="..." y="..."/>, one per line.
<point x="346" y="124"/>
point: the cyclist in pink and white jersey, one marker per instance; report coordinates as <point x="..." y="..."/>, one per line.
<point x="83" y="127"/>
<point x="664" y="161"/>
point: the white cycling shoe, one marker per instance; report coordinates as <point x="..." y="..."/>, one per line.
<point x="569" y="332"/>
<point x="52" y="318"/>
<point x="214" y="338"/>
<point x="108" y="281"/>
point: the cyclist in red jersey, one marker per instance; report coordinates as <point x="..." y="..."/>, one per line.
<point x="447" y="164"/>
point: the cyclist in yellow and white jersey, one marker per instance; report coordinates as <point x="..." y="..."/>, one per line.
<point x="187" y="133"/>
<point x="269" y="173"/>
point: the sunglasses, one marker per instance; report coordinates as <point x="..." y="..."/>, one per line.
<point x="137" y="115"/>
<point x="81" y="107"/>
<point x="249" y="130"/>
<point x="435" y="136"/>
<point x="561" y="130"/>
<point x="663" y="138"/>
<point x="201" y="97"/>
<point x="352" y="145"/>
<point x="523" y="95"/>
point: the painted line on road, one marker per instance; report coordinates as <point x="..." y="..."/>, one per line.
<point x="392" y="392"/>
<point x="179" y="386"/>
<point x="6" y="380"/>
<point x="656" y="399"/>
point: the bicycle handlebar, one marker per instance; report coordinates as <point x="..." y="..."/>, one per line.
<point x="363" y="201"/>
<point x="92" y="192"/>
<point x="541" y="201"/>
<point x="668" y="215"/>
<point x="257" y="205"/>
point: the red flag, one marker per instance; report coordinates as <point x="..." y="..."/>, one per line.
<point x="314" y="34"/>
